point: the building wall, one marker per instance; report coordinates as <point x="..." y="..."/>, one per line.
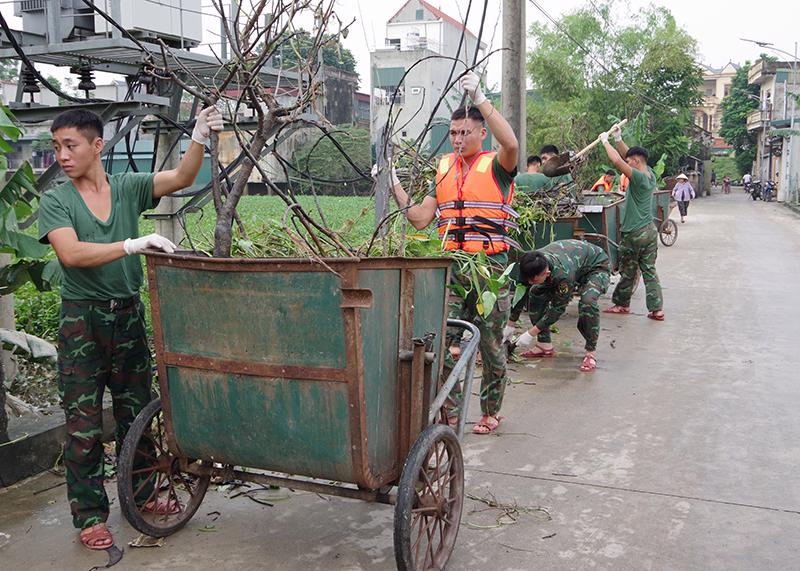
<point x="421" y="34"/>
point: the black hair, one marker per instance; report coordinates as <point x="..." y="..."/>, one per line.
<point x="463" y="113"/>
<point x="531" y="264"/>
<point x="609" y="172"/>
<point x="548" y="149"/>
<point x="88" y="123"/>
<point x="637" y="152"/>
<point x="534" y="159"/>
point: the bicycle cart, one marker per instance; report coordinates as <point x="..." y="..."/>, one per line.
<point x="322" y="377"/>
<point x="600" y="222"/>
<point x="663" y="204"/>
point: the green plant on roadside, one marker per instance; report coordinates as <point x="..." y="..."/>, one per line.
<point x="482" y="281"/>
<point x="31" y="261"/>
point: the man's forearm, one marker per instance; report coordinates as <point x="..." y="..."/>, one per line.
<point x="91" y="255"/>
<point x="190" y="164"/>
<point x="413" y="212"/>
<point x="622" y="148"/>
<point x="500" y="128"/>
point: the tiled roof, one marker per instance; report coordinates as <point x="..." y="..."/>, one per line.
<point x="439" y="14"/>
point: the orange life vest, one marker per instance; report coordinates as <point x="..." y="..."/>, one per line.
<point x="623" y="183"/>
<point x="601" y="182"/>
<point x="473" y="214"/>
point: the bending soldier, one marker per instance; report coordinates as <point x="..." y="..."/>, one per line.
<point x="554" y="273"/>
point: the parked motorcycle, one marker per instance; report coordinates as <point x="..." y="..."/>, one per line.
<point x="755" y="189"/>
<point x="769" y="191"/>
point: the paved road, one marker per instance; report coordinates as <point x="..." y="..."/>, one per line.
<point x="679" y="452"/>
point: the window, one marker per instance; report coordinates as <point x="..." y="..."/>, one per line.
<point x="420" y="15"/>
<point x="727" y="89"/>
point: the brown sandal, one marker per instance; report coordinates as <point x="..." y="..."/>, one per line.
<point x="97" y="537"/>
<point x="652" y="315"/>
<point x="589" y="364"/>
<point x="541" y="353"/>
<point x="488" y="423"/>
<point x="162" y="506"/>
<point x="618" y="309"/>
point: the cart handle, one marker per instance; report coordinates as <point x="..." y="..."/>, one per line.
<point x="465" y="362"/>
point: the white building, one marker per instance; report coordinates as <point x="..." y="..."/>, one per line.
<point x="778" y="156"/>
<point x="716" y="87"/>
<point x="409" y="74"/>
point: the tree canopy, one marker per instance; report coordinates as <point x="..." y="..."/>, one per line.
<point x="591" y="69"/>
<point x="742" y="101"/>
<point x="333" y="53"/>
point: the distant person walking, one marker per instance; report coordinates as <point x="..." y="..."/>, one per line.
<point x="683" y="193"/>
<point x="726" y="185"/>
<point x="713" y="179"/>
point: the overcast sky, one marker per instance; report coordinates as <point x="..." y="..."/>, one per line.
<point x="716" y="24"/>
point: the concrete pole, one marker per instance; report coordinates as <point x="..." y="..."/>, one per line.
<point x="168" y="153"/>
<point x="785" y="192"/>
<point x="7" y="321"/>
<point x="514" y="106"/>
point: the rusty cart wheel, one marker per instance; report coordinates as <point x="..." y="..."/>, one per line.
<point x="430" y="498"/>
<point x="156" y="495"/>
<point x="668" y="232"/>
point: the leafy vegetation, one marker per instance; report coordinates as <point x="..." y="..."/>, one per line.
<point x="742" y="101"/>
<point x="297" y="50"/>
<point x="643" y="66"/>
<point x="322" y="160"/>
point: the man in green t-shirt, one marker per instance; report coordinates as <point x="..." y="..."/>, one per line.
<point x="638" y="247"/>
<point x="532" y="180"/>
<point x="92" y="224"/>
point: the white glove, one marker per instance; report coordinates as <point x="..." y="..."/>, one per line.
<point x="616" y="132"/>
<point x="137" y="245"/>
<point x="395" y="180"/>
<point x="209" y="119"/>
<point x="525" y="340"/>
<point x="603" y="138"/>
<point x="471" y="84"/>
<point x="508" y="333"/>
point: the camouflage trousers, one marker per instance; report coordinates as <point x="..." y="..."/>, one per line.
<point x="637" y="252"/>
<point x="596" y="284"/>
<point x="493" y="353"/>
<point x="98" y="348"/>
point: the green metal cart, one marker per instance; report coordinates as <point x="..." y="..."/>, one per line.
<point x="321" y="377"/>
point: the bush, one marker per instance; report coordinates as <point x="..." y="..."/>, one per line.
<point x="37" y="312"/>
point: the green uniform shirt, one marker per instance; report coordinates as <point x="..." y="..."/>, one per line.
<point x="570" y="263"/>
<point x="63" y="207"/>
<point x="531" y="182"/>
<point x="561" y="179"/>
<point x="639" y="201"/>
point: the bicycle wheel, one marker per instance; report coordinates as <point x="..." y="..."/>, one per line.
<point x="668" y="232"/>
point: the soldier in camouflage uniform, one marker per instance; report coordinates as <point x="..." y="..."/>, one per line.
<point x="554" y="273"/>
<point x="638" y="247"/>
<point x="471" y="200"/>
<point x="92" y="224"/>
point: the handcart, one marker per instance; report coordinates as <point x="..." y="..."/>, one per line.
<point x="319" y="376"/>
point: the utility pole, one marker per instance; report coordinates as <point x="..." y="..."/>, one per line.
<point x="168" y="154"/>
<point x="514" y="104"/>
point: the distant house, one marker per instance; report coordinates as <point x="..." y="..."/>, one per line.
<point x="716" y="86"/>
<point x="409" y="79"/>
<point x="778" y="156"/>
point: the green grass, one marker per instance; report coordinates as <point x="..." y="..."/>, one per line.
<point x="352" y="216"/>
<point x="725" y="166"/>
